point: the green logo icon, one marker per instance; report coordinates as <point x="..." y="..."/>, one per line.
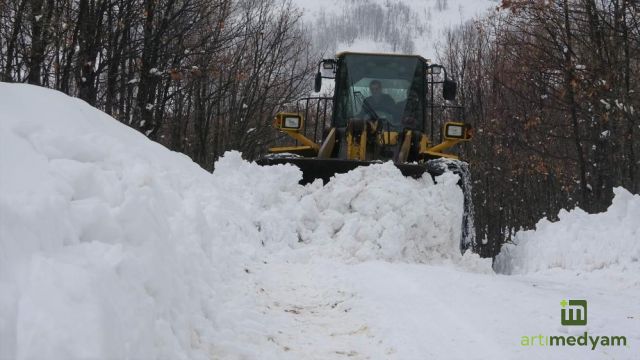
<point x="573" y="312"/>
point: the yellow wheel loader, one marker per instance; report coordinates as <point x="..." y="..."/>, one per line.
<point x="380" y="112"/>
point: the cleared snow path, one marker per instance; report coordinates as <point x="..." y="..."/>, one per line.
<point x="315" y="314"/>
<point x="377" y="310"/>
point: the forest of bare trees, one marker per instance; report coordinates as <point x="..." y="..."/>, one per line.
<point x="552" y="88"/>
<point x="199" y="76"/>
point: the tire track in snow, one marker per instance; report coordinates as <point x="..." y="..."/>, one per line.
<point x="311" y="315"/>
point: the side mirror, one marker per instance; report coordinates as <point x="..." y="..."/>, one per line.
<point x="449" y="89"/>
<point x="318" y="83"/>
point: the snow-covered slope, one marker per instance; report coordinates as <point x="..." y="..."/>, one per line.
<point x="398" y="26"/>
<point x="111" y="246"/>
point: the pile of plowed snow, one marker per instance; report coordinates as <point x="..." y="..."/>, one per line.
<point x="579" y="241"/>
<point x="367" y="214"/>
<point x="111" y="246"/>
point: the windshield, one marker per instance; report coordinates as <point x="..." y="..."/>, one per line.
<point x="390" y="89"/>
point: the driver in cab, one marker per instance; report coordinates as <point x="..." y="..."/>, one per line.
<point x="378" y="101"/>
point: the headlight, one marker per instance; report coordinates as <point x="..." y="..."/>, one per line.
<point x="291" y="122"/>
<point x="454" y="131"/>
<point x="288" y="121"/>
<point x="457" y="131"/>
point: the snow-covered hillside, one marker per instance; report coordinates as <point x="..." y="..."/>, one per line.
<point x="111" y="246"/>
<point x="398" y="26"/>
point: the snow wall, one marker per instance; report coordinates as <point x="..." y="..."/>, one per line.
<point x="579" y="241"/>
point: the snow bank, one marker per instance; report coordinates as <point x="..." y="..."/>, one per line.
<point x="371" y="213"/>
<point x="376" y="213"/>
<point x="579" y="241"/>
<point x="111" y="246"/>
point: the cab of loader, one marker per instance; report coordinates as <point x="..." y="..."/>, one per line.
<point x="402" y="83"/>
<point x="407" y="79"/>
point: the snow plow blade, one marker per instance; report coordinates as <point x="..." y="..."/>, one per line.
<point x="325" y="169"/>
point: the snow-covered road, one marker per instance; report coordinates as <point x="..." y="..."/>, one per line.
<point x="378" y="310"/>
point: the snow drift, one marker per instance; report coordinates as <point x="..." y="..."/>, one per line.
<point x="106" y="250"/>
<point x="111" y="246"/>
<point x="579" y="241"/>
